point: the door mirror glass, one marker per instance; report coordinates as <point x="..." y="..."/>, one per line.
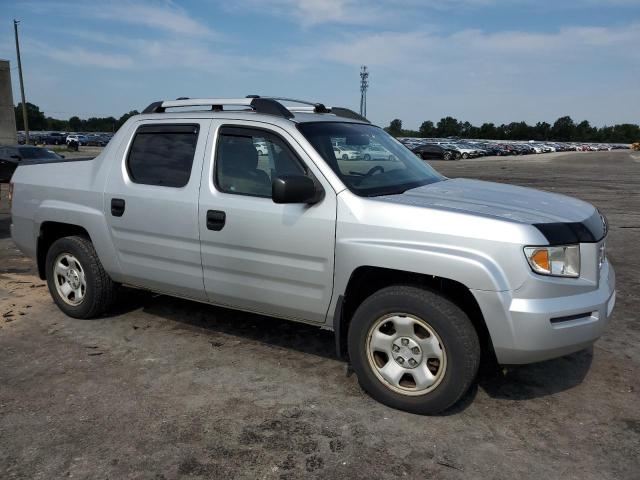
<point x="294" y="189"/>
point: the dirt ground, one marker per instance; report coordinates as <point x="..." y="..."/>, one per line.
<point x="164" y="388"/>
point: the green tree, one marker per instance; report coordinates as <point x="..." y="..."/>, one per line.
<point x="395" y="128"/>
<point x="467" y="130"/>
<point x="563" y="129"/>
<point x="75" y="124"/>
<point x="448" y="127"/>
<point x="585" y="132"/>
<point x="541" y="131"/>
<point x="35" y="117"/>
<point x="427" y="129"/>
<point x="488" y="131"/>
<point x="125" y="117"/>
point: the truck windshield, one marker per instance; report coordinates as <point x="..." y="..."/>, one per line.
<point x="368" y="160"/>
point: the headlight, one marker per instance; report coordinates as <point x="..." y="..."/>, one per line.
<point x="560" y="261"/>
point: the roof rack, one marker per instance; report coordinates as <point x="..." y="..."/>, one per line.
<point x="266" y="105"/>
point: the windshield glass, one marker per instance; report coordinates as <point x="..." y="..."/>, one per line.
<point x="35" y="153"/>
<point x="367" y="159"/>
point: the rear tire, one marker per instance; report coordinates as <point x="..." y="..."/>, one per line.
<point x="430" y="333"/>
<point x="89" y="291"/>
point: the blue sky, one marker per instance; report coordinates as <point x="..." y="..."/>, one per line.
<point x="477" y="60"/>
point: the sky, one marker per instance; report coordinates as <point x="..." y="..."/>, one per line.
<point x="477" y="60"/>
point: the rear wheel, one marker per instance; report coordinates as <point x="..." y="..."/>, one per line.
<point x="366" y="157"/>
<point x="76" y="279"/>
<point x="447" y="155"/>
<point x="465" y="155"/>
<point x="413" y="350"/>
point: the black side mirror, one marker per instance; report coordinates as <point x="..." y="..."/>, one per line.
<point x="295" y="189"/>
<point x="61" y="156"/>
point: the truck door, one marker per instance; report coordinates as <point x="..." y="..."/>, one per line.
<point x="258" y="255"/>
<point x="151" y="203"/>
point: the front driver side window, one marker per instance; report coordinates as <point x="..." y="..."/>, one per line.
<point x="247" y="160"/>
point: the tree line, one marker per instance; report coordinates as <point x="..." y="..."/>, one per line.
<point x="563" y="129"/>
<point x="39" y="121"/>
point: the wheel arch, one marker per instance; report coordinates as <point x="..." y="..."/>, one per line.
<point x="366" y="280"/>
<point x="49" y="232"/>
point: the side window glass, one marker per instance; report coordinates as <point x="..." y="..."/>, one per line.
<point x="162" y="154"/>
<point x="247" y="160"/>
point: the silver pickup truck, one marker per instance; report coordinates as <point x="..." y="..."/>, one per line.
<point x="244" y="203"/>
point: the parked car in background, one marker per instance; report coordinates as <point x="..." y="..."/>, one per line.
<point x="495" y="149"/>
<point x="374" y="152"/>
<point x="462" y="150"/>
<point x="81" y="139"/>
<point x="54" y="138"/>
<point x="432" y="151"/>
<point x="11" y="156"/>
<point x="97" y="140"/>
<point x="345" y="153"/>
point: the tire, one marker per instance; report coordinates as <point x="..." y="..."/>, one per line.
<point x="97" y="292"/>
<point x="446" y="156"/>
<point x="345" y="157"/>
<point x="366" y="157"/>
<point x="465" y="155"/>
<point x="451" y="333"/>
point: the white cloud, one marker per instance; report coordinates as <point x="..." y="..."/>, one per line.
<point x="80" y="56"/>
<point x="350" y="12"/>
<point x="416" y="49"/>
<point x="162" y="15"/>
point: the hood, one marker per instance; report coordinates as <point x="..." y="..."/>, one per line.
<point x="560" y="218"/>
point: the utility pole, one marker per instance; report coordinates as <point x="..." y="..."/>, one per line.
<point x="24" y="102"/>
<point x="364" y="84"/>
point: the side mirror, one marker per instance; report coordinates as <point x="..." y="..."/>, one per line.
<point x="61" y="156"/>
<point x="294" y="189"/>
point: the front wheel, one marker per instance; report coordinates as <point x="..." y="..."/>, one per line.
<point x="366" y="157"/>
<point x="76" y="279"/>
<point x="413" y="349"/>
<point x="465" y="155"/>
<point x="447" y="156"/>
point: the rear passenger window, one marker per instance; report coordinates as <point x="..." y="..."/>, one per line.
<point x="162" y="154"/>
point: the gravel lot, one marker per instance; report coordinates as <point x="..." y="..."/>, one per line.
<point x="165" y="388"/>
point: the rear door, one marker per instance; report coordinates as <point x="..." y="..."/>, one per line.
<point x="151" y="203"/>
<point x="258" y="255"/>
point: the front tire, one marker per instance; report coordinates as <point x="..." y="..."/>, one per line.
<point x="76" y="279"/>
<point x="413" y="349"/>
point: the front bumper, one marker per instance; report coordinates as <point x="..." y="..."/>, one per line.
<point x="525" y="330"/>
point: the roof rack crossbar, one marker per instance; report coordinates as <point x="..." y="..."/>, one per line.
<point x="259" y="105"/>
<point x="266" y="105"/>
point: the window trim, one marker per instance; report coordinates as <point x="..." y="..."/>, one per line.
<point x="264" y="132"/>
<point x="162" y="128"/>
